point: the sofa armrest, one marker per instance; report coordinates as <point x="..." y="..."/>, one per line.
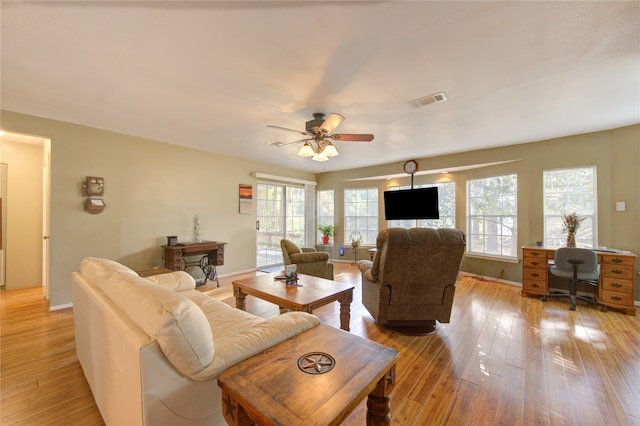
<point x="247" y="343"/>
<point x="319" y="256"/>
<point x="176" y="281"/>
<point x="365" y="265"/>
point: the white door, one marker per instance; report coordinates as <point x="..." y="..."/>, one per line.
<point x="280" y="214"/>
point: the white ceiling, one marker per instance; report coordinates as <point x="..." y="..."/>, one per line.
<point x="211" y="75"/>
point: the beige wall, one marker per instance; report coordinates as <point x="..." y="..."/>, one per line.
<point x="152" y="189"/>
<point x="24" y="213"/>
<point x="615" y="153"/>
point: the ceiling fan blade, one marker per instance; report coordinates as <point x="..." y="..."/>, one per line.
<point x="279" y="144"/>
<point x="331" y="122"/>
<point x="300" y="132"/>
<point x="357" y="137"/>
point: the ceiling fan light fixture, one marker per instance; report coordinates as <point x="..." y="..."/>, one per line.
<point x="306" y="150"/>
<point x="320" y="156"/>
<point x="330" y="150"/>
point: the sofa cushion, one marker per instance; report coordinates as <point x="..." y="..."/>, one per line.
<point x="96" y="269"/>
<point x="176" y="281"/>
<point x="177" y="323"/>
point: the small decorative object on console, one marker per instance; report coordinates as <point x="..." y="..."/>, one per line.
<point x="196" y="229"/>
<point x="172" y="240"/>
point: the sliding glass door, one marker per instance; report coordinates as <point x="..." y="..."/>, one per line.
<point x="280" y="214"/>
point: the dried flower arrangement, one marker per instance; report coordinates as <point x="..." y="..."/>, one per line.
<point x="570" y="224"/>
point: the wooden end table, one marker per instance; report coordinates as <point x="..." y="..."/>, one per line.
<point x="313" y="293"/>
<point x="315" y="378"/>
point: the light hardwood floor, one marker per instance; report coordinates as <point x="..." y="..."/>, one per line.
<point x="503" y="359"/>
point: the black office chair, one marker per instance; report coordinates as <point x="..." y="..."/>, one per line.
<point x="579" y="266"/>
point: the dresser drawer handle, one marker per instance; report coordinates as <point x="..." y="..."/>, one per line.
<point x="616" y="260"/>
<point x="535" y="263"/>
<point x="535" y="253"/>
<point x="535" y="275"/>
<point x="616" y="271"/>
<point x="616" y="285"/>
<point x="616" y="298"/>
<point x="534" y="285"/>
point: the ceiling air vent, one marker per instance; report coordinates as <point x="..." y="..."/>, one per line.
<point x="431" y="99"/>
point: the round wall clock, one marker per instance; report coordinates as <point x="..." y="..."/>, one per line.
<point x="411" y="167"/>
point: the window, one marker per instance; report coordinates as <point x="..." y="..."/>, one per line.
<point x="446" y="205"/>
<point x="361" y="214"/>
<point x="492" y="216"/>
<point x="567" y="191"/>
<point x="325" y="209"/>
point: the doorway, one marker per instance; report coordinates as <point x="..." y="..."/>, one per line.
<point x="280" y="214"/>
<point x="25" y="208"/>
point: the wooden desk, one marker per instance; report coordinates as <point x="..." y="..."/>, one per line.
<point x="313" y="293"/>
<point x="277" y="387"/>
<point x="213" y="251"/>
<point x="617" y="276"/>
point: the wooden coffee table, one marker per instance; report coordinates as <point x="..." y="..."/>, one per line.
<point x="315" y="378"/>
<point x="313" y="293"/>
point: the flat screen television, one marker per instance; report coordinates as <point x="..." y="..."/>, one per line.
<point x="421" y="203"/>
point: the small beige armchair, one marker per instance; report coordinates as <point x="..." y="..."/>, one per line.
<point x="412" y="279"/>
<point x="308" y="260"/>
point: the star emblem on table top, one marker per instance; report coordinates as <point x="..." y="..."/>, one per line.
<point x="316" y="363"/>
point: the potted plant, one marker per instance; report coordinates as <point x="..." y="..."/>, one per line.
<point x="356" y="240"/>
<point x="327" y="232"/>
<point x="570" y="224"/>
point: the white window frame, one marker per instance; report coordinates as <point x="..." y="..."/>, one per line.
<point x="574" y="194"/>
<point x="326" y="209"/>
<point x="361" y="215"/>
<point x="492" y="217"/>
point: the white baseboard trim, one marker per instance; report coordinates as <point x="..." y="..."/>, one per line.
<point x="246" y="271"/>
<point x="484" y="278"/>
<point x="58" y="307"/>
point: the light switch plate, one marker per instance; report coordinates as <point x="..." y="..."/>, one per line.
<point x="620" y="206"/>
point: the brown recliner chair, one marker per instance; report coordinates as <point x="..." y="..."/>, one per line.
<point x="308" y="260"/>
<point x="411" y="282"/>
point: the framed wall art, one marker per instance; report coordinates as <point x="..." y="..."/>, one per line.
<point x="246" y="198"/>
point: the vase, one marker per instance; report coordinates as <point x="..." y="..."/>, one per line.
<point x="325" y="239"/>
<point x="571" y="239"/>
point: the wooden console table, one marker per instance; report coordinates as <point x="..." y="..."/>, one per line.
<point x="213" y="251"/>
<point x="322" y="375"/>
<point x="617" y="276"/>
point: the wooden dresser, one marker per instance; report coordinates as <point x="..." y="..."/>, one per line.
<point x="617" y="276"/>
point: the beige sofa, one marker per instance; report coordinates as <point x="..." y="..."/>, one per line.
<point x="152" y="348"/>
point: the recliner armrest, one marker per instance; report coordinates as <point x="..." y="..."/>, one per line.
<point x="308" y="250"/>
<point x="318" y="256"/>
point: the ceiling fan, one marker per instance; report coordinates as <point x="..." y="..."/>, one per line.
<point x="319" y="139"/>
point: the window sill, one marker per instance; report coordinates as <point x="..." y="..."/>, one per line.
<point x="493" y="257"/>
